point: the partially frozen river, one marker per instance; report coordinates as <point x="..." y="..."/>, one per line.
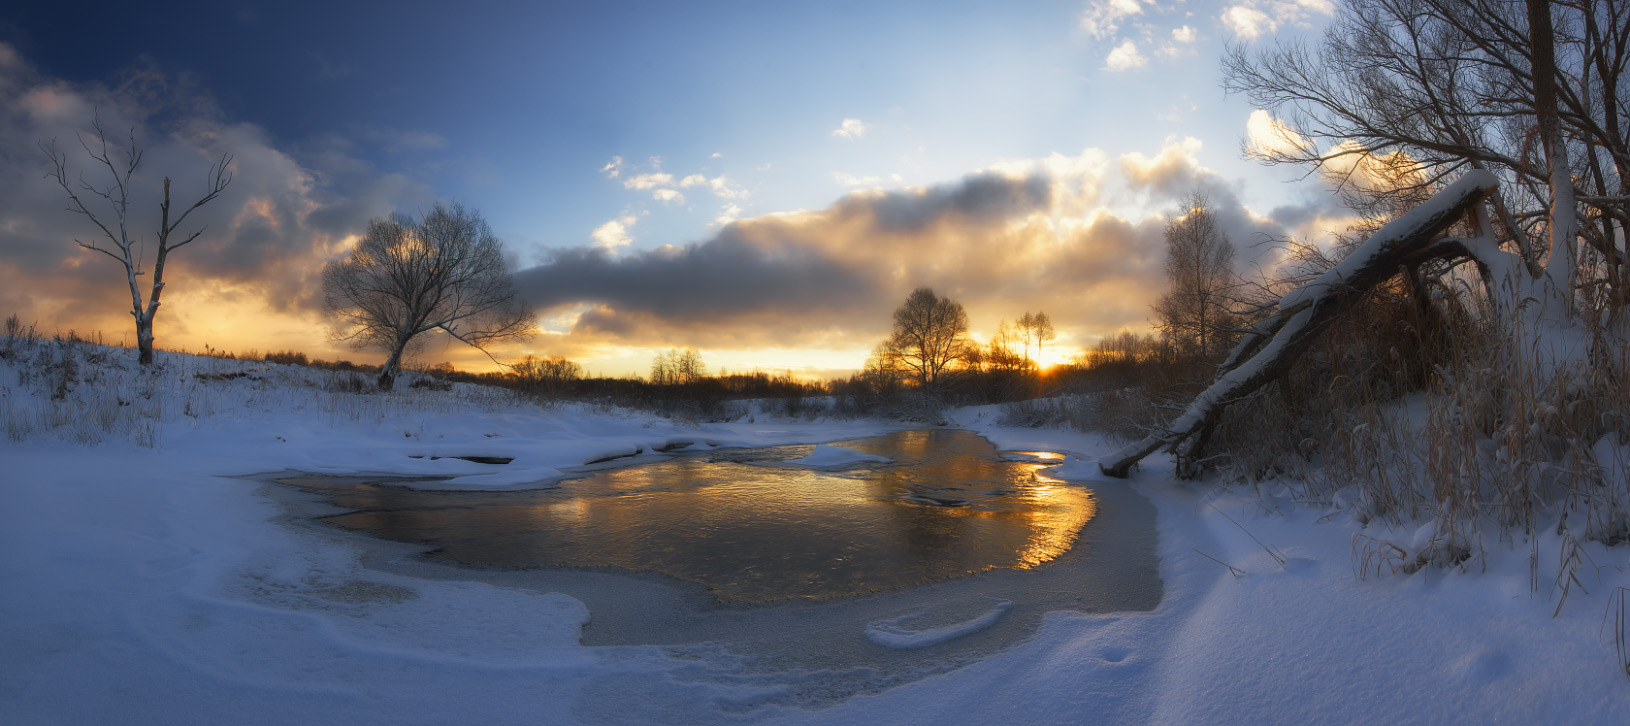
<point x="875" y="561"/>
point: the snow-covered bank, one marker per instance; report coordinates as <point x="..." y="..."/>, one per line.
<point x="143" y="584"/>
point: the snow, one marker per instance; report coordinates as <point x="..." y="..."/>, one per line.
<point x="148" y="582"/>
<point x="898" y="633"/>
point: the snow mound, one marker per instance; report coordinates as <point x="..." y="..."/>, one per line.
<point x="893" y="633"/>
<point x="828" y="455"/>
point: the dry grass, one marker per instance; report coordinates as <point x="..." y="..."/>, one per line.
<point x="70" y="389"/>
<point x="1481" y="444"/>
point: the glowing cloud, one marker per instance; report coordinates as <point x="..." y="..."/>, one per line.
<point x="1026" y="234"/>
<point x="614" y="234"/>
<point x="1267" y="136"/>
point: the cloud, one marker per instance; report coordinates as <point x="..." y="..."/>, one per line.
<point x="1248" y="22"/>
<point x="850" y="180"/>
<point x="668" y="196"/>
<point x="257" y="264"/>
<point x="728" y="214"/>
<point x="1184" y="34"/>
<point x="1125" y="57"/>
<point x="721" y="187"/>
<point x="851" y="128"/>
<point x="1103" y="17"/>
<point x="1251" y="19"/>
<point x="613" y="168"/>
<point x="1027" y="234"/>
<point x="614" y="234"/>
<point x="395" y="141"/>
<point x="649" y="181"/>
<point x="1267" y="136"/>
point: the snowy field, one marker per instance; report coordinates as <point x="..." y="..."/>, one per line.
<point x="147" y="582"/>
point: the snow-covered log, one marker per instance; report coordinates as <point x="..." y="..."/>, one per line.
<point x="1307" y="311"/>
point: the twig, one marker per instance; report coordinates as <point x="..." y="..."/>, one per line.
<point x="1236" y="571"/>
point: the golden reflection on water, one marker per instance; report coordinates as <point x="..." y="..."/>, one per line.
<point x="1056" y="524"/>
<point x="752" y="529"/>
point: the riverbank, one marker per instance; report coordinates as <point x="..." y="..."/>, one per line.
<point x="148" y="582"/>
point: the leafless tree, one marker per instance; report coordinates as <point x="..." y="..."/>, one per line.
<point x="121" y="164"/>
<point x="444" y="271"/>
<point x="1194" y="313"/>
<point x="677" y="367"/>
<point x="999" y="355"/>
<point x="884" y="374"/>
<point x="1035" y="330"/>
<point x="547" y="375"/>
<point x="1403" y="95"/>
<point x="930" y="332"/>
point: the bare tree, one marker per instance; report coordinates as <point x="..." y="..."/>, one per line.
<point x="677" y="367"/>
<point x="884" y="374"/>
<point x="1403" y="95"/>
<point x="999" y="355"/>
<point x="929" y="334"/>
<point x="549" y="375"/>
<point x="121" y="165"/>
<point x="1035" y="329"/>
<point x="444" y="271"/>
<point x="1200" y="267"/>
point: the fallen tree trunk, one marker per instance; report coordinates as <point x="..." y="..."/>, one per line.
<point x="1268" y="350"/>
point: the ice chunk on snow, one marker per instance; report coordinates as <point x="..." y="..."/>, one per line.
<point x="893" y="634"/>
<point x="828" y="455"/>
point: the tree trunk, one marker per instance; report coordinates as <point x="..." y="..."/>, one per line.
<point x="1563" y="223"/>
<point x="393" y="364"/>
<point x="1307" y="311"/>
<point x="144" y="340"/>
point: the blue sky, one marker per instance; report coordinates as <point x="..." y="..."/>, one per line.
<point x="636" y="133"/>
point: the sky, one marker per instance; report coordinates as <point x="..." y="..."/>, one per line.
<point x="765" y="182"/>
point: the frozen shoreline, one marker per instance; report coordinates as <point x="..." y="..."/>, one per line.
<point x="144" y="586"/>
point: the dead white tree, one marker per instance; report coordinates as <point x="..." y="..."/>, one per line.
<point x="444" y="271"/>
<point x="115" y="224"/>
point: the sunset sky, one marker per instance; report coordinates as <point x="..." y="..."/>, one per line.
<point x="763" y="181"/>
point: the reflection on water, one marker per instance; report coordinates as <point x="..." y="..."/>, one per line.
<point x="748" y="529"/>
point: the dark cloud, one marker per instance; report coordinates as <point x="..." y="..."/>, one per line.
<point x="719" y="277"/>
<point x="833" y="277"/>
<point x="1029" y="238"/>
<point x="979" y="199"/>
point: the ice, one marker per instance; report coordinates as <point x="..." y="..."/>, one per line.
<point x="146" y="582"/>
<point x="895" y="633"/>
<point x="827" y="455"/>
